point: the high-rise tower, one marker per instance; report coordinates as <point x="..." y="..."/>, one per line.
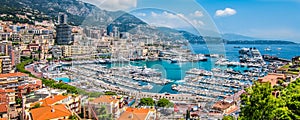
<point x="63" y="31"/>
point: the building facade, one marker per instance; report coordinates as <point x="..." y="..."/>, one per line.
<point x="63" y="31"/>
<point x="5" y="64"/>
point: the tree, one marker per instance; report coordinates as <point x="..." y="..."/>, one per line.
<point x="291" y="96"/>
<point x="147" y="102"/>
<point x="163" y="102"/>
<point x="19" y="101"/>
<point x="73" y="117"/>
<point x="282" y="114"/>
<point x="94" y="94"/>
<point x="260" y="103"/>
<point x="110" y="93"/>
<point x="37" y="105"/>
<point x="49" y="59"/>
<point x="228" y="117"/>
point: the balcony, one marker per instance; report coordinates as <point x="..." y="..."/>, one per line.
<point x="12" y="86"/>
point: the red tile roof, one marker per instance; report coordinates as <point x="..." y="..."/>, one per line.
<point x="3" y="107"/>
<point x="51" y="100"/>
<point x="2" y="91"/>
<point x="134" y="114"/>
<point x="9" y="90"/>
<point x="3" y="98"/>
<point x="272" y="78"/>
<point x="221" y="105"/>
<point x="50" y="112"/>
<point x="105" y="99"/>
<point x="28" y="86"/>
<point x="18" y="74"/>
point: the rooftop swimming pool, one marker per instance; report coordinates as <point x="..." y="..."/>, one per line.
<point x="63" y="79"/>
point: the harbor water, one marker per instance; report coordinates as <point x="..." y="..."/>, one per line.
<point x="177" y="71"/>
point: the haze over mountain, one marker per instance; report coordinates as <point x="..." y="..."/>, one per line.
<point x="232" y="36"/>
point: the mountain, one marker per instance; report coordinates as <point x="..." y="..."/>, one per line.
<point x="192" y="37"/>
<point x="231" y="36"/>
<point x="88" y="15"/>
<point x="259" y="42"/>
<point x="79" y="13"/>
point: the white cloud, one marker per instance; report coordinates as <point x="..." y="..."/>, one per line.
<point x="141" y="14"/>
<point x="181" y="15"/>
<point x="168" y="15"/>
<point x="197" y="14"/>
<point x="226" y="12"/>
<point x="153" y="14"/>
<point x="113" y="5"/>
<point x="197" y="22"/>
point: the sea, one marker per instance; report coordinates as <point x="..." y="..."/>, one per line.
<point x="176" y="71"/>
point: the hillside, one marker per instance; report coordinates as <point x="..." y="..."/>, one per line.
<point x="16" y="11"/>
<point x="78" y="12"/>
<point x="231" y="36"/>
<point x="88" y="15"/>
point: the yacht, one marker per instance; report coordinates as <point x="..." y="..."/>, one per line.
<point x="174" y="87"/>
<point x="278" y="48"/>
<point x="268" y="49"/>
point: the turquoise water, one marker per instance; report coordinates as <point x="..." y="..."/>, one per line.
<point x="286" y="51"/>
<point x="171" y="71"/>
<point x="63" y="79"/>
<point x="177" y="71"/>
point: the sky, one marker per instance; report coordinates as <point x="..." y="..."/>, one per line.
<point x="266" y="19"/>
<point x="269" y="19"/>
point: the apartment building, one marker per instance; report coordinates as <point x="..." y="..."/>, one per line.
<point x="5" y="64"/>
<point x="13" y="80"/>
<point x="111" y="103"/>
<point x="72" y="102"/>
<point x="138" y="114"/>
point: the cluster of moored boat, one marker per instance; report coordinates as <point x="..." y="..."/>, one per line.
<point x="218" y="73"/>
<point x="130" y="76"/>
<point x="213" y="83"/>
<point x="220" y="82"/>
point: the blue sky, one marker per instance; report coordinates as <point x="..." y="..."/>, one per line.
<point x="274" y="19"/>
<point x="268" y="19"/>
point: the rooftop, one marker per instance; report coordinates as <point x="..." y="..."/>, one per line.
<point x="28" y="86"/>
<point x="3" y="98"/>
<point x="3" y="108"/>
<point x="272" y="78"/>
<point x="134" y="114"/>
<point x="50" y="100"/>
<point x="50" y="112"/>
<point x="105" y="99"/>
<point x="221" y="105"/>
<point x="17" y="74"/>
<point x="9" y="90"/>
